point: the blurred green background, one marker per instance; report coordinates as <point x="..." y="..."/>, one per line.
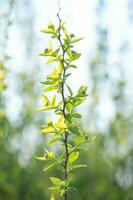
<point x="106" y="67"/>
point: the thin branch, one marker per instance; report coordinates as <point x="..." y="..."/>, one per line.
<point x="59" y="7"/>
<point x="63" y="99"/>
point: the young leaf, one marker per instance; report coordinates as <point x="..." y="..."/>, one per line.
<point x="54" y="139"/>
<point x="60" y="67"/>
<point x="45" y="100"/>
<point x="40" y="158"/>
<point x="53" y="101"/>
<point x="73" y="156"/>
<point x="66" y="32"/>
<point x="82" y="90"/>
<point x="61" y="125"/>
<point x="48" y="30"/>
<point x="47" y="82"/>
<point x="70" y="90"/>
<point x="49" y="166"/>
<point x="76" y="115"/>
<point x="40" y="109"/>
<point x="73" y="66"/>
<point x="51" y="60"/>
<point x="48" y="130"/>
<point x="50" y="88"/>
<point x="78" y="166"/>
<point x="56" y="181"/>
<point x="62" y="192"/>
<point x="69" y="107"/>
<point x="75" y="56"/>
<point x="79" y="139"/>
<point x="78" y="101"/>
<point x="67" y="75"/>
<point x="52" y="197"/>
<point x="76" y="40"/>
<point x="50" y="155"/>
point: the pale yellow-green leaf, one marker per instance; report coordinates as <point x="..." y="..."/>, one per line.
<point x="40" y="158"/>
<point x="50" y="60"/>
<point x="69" y="107"/>
<point x="60" y="68"/>
<point x="62" y="192"/>
<point x="53" y="101"/>
<point x="54" y="139"/>
<point x="48" y="130"/>
<point x="40" y="109"/>
<point x="55" y="72"/>
<point x="48" y="166"/>
<point x="45" y="100"/>
<point x="50" y="155"/>
<point x="66" y="32"/>
<point x="52" y="197"/>
<point x="51" y="47"/>
<point x="48" y="30"/>
<point x="73" y="156"/>
<point x="56" y="181"/>
<point x="50" y="88"/>
<point x="78" y="166"/>
<point x="79" y="139"/>
<point x="76" y="40"/>
<point x="60" y="125"/>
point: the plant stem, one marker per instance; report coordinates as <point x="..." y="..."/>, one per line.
<point x="64" y="105"/>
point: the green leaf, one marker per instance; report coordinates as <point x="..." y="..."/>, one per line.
<point x="73" y="156"/>
<point x="60" y="67"/>
<point x="53" y="188"/>
<point x="78" y="101"/>
<point x="76" y="115"/>
<point x="73" y="66"/>
<point x="76" y="40"/>
<point x="54" y="139"/>
<point x="71" y="189"/>
<point x="67" y="75"/>
<point x="48" y="30"/>
<point x="69" y="107"/>
<point x="40" y="109"/>
<point x="45" y="100"/>
<point x="79" y="139"/>
<point x="82" y="90"/>
<point x="40" y="158"/>
<point x="48" y="130"/>
<point x="47" y="82"/>
<point x="66" y="32"/>
<point x="61" y="125"/>
<point x="49" y="166"/>
<point x="52" y="197"/>
<point x="56" y="181"/>
<point x="51" y="60"/>
<point x="78" y="166"/>
<point x="50" y="155"/>
<point x="69" y="53"/>
<point x="53" y="101"/>
<point x="75" y="57"/>
<point x="70" y="90"/>
<point x="50" y="88"/>
<point x="62" y="192"/>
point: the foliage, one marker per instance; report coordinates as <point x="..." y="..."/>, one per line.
<point x="66" y="130"/>
<point x="2" y="77"/>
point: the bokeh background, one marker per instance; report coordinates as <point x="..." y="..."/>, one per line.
<point x="105" y="66"/>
